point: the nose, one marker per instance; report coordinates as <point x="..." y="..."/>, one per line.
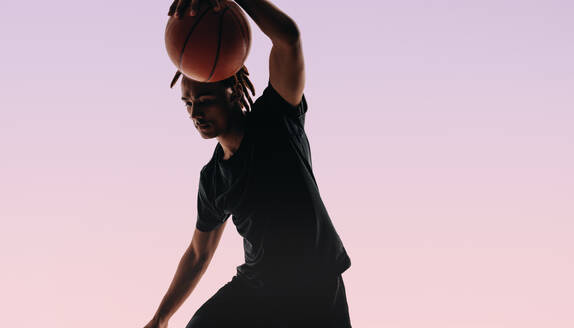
<point x="196" y="112"/>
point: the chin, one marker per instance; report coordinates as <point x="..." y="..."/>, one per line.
<point x="207" y="135"/>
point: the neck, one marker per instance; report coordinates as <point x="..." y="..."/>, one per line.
<point x="231" y="139"/>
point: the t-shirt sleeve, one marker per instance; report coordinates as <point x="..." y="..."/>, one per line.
<point x="271" y="105"/>
<point x="208" y="216"/>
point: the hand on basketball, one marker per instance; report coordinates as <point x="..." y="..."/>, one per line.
<point x="179" y="7"/>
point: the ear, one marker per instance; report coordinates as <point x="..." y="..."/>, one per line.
<point x="233" y="96"/>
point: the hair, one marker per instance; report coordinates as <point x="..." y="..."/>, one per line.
<point x="239" y="82"/>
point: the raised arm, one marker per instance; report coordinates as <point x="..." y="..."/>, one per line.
<point x="191" y="268"/>
<point x="286" y="66"/>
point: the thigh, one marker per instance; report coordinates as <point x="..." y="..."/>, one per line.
<point x="321" y="305"/>
<point x="233" y="305"/>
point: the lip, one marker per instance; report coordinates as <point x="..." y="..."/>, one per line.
<point x="202" y="126"/>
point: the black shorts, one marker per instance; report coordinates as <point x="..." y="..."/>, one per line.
<point x="322" y="304"/>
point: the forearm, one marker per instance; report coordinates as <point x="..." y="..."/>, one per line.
<point x="187" y="276"/>
<point x="279" y="27"/>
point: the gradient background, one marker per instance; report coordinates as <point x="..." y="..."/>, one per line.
<point x="442" y="143"/>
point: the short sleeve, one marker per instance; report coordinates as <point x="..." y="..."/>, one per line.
<point x="208" y="217"/>
<point x="271" y="103"/>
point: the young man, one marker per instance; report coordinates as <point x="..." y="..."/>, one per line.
<point x="260" y="173"/>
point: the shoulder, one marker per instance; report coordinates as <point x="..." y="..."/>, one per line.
<point x="207" y="170"/>
<point x="205" y="185"/>
<point x="272" y="103"/>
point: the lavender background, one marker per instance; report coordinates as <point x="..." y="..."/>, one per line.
<point x="442" y="142"/>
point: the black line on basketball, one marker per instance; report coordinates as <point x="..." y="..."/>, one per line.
<point x="218" y="44"/>
<point x="189" y="35"/>
<point x="241" y="27"/>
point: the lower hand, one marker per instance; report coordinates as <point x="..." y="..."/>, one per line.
<point x="179" y="7"/>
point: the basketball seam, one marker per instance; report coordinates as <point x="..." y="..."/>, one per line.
<point x="218" y="44"/>
<point x="188" y="36"/>
<point x="238" y="21"/>
<point x="244" y="34"/>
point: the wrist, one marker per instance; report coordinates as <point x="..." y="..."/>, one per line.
<point x="161" y="318"/>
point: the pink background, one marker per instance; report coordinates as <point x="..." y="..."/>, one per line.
<point x="442" y="142"/>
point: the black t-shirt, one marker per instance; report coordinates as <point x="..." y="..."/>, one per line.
<point x="269" y="188"/>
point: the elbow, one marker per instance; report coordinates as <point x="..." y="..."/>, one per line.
<point x="295" y="39"/>
<point x="197" y="259"/>
<point x="203" y="259"/>
<point x="198" y="265"/>
<point x="290" y="36"/>
<point x="294" y="36"/>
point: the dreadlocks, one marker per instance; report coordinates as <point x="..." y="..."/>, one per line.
<point x="239" y="83"/>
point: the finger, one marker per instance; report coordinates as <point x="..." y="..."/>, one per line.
<point x="182" y="7"/>
<point x="194" y="7"/>
<point x="172" y="8"/>
<point x="215" y="4"/>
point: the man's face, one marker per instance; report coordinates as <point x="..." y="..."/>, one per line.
<point x="208" y="105"/>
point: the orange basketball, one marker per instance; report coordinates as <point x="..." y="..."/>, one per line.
<point x="210" y="46"/>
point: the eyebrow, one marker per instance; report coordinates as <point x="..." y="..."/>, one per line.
<point x="199" y="96"/>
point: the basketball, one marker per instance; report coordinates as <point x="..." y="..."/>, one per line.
<point x="210" y="46"/>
